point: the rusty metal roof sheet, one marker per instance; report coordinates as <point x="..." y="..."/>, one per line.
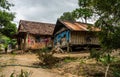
<point x="78" y="26"/>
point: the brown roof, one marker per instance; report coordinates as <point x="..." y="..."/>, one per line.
<point x="78" y="26"/>
<point x="36" y="27"/>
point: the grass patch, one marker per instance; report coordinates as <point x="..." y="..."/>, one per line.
<point x="69" y="59"/>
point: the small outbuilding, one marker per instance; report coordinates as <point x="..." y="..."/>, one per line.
<point x="75" y="34"/>
<point x="34" y="35"/>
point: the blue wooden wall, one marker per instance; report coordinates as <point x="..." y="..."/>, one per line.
<point x="59" y="36"/>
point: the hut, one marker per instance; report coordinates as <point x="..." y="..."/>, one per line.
<point x="75" y="34"/>
<point x="34" y="35"/>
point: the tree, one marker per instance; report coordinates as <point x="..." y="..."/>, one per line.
<point x="84" y="12"/>
<point x="9" y="30"/>
<point x="67" y="16"/>
<point x="6" y="18"/>
<point x="108" y="22"/>
<point x="109" y="13"/>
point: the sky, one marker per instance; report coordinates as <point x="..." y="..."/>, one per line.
<point x="41" y="10"/>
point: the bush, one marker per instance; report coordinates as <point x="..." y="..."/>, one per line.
<point x="116" y="69"/>
<point x="69" y="59"/>
<point x="22" y="74"/>
<point x="47" y="58"/>
<point x="1" y="47"/>
<point x="95" y="54"/>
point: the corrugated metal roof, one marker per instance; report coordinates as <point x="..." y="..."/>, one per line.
<point x="78" y="26"/>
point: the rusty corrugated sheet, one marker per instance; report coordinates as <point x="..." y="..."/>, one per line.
<point x="77" y="26"/>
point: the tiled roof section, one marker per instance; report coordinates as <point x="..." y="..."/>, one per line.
<point x="78" y="26"/>
<point x="36" y="27"/>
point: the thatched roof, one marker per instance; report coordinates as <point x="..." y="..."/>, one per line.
<point x="38" y="28"/>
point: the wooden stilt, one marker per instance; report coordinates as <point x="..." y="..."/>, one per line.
<point x="68" y="48"/>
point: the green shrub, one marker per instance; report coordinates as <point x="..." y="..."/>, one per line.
<point x="95" y="54"/>
<point x="22" y="74"/>
<point x="116" y="72"/>
<point x="69" y="59"/>
<point x="1" y="47"/>
<point x="116" y="69"/>
<point x="47" y="58"/>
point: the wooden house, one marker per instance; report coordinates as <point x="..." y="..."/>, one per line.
<point x="34" y="35"/>
<point x="75" y="34"/>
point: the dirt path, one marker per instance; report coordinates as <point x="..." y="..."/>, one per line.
<point x="35" y="72"/>
<point x="14" y="63"/>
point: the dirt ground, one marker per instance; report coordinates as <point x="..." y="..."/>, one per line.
<point x="14" y="63"/>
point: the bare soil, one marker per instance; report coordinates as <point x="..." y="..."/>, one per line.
<point x="14" y="63"/>
<point x="10" y="63"/>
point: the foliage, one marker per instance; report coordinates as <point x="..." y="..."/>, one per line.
<point x="1" y="47"/>
<point x="107" y="59"/>
<point x="6" y="17"/>
<point x="116" y="72"/>
<point x="108" y="22"/>
<point x="116" y="69"/>
<point x="67" y="16"/>
<point x="13" y="43"/>
<point x="9" y="30"/>
<point x="84" y="12"/>
<point x="69" y="59"/>
<point x="108" y="12"/>
<point x="22" y="74"/>
<point x="95" y="54"/>
<point x="4" y="4"/>
<point x="5" y="41"/>
<point x="47" y="58"/>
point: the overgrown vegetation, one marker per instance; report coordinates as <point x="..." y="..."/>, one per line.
<point x="22" y="73"/>
<point x="5" y="41"/>
<point x="46" y="57"/>
<point x="95" y="54"/>
<point x="107" y="60"/>
<point x="7" y="27"/>
<point x="69" y="59"/>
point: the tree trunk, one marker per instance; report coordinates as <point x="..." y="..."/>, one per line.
<point x="107" y="69"/>
<point x="85" y="19"/>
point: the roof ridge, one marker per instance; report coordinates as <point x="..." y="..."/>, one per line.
<point x="36" y="22"/>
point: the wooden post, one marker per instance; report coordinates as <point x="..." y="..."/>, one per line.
<point x="26" y="41"/>
<point x="19" y="43"/>
<point x="27" y="38"/>
<point x="68" y="48"/>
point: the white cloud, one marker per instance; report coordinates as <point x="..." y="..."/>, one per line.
<point x="42" y="10"/>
